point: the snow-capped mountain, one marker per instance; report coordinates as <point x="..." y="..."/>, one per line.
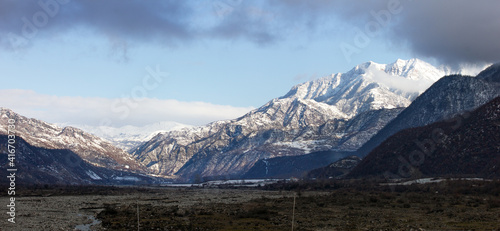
<point x="371" y="86"/>
<point x="447" y="97"/>
<point x="339" y="112"/>
<point x="88" y="147"/>
<point x="128" y="137"/>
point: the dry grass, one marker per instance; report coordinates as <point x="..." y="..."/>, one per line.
<point x="346" y="206"/>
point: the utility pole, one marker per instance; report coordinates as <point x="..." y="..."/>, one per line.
<point x="138" y="224"/>
<point x="293" y="210"/>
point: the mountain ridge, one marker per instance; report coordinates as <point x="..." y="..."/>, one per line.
<point x="467" y="145"/>
<point x="42" y="166"/>
<point x="450" y="95"/>
<point x="90" y="148"/>
<point x="129" y="136"/>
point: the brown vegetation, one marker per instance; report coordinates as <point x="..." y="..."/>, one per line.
<point x="320" y="205"/>
<point x="334" y="205"/>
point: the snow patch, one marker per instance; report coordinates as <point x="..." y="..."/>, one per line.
<point x="431" y="180"/>
<point x="93" y="175"/>
<point x="305" y="145"/>
<point x="126" y="178"/>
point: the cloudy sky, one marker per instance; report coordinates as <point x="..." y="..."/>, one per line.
<point x="140" y="62"/>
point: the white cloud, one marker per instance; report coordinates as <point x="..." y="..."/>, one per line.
<point x="114" y="112"/>
<point x="397" y="82"/>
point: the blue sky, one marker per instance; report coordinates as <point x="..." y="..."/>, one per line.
<point x="218" y="59"/>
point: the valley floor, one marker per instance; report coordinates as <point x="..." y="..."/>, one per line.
<point x="443" y="206"/>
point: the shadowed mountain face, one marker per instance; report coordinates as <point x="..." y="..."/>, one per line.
<point x="292" y="166"/>
<point x="466" y="145"/>
<point x="491" y="74"/>
<point x="336" y="169"/>
<point x="37" y="165"/>
<point x="444" y="99"/>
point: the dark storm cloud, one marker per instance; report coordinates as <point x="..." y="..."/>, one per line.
<point x="163" y="21"/>
<point x="243" y="21"/>
<point x="451" y="31"/>
<point x="124" y="21"/>
<point x="459" y="31"/>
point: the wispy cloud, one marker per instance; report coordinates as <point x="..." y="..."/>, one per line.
<point x="114" y="112"/>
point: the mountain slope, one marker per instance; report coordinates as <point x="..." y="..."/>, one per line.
<point x="447" y="97"/>
<point x="332" y="134"/>
<point x="59" y="166"/>
<point x="319" y="115"/>
<point x="336" y="169"/>
<point x="293" y="126"/>
<point x="90" y="148"/>
<point x="467" y="145"/>
<point x="292" y="166"/>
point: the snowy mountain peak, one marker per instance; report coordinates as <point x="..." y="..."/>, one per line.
<point x="370" y="86"/>
<point x="415" y="69"/>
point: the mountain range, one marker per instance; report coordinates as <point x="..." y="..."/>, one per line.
<point x="37" y="165"/>
<point x="339" y="112"/>
<point x="327" y="120"/>
<point x="91" y="148"/>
